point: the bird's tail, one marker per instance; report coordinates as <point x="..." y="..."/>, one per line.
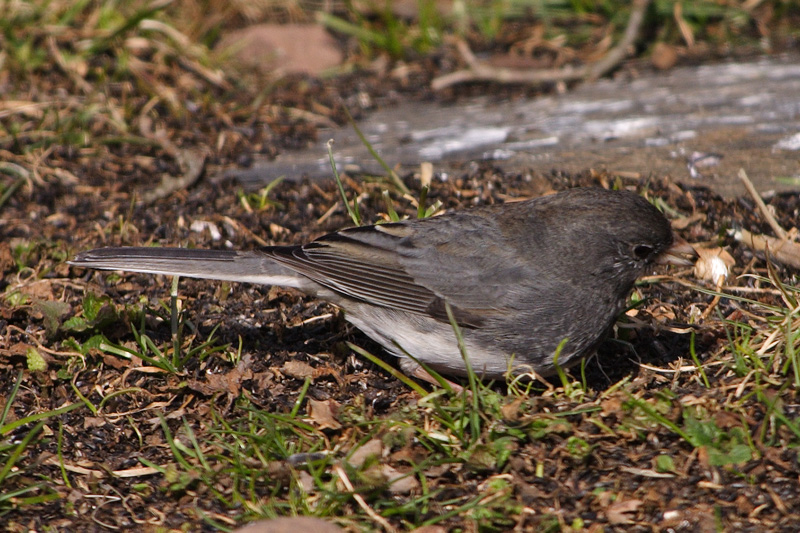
<point x="227" y="265"/>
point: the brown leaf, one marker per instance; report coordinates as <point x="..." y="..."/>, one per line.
<point x="230" y="382"/>
<point x="18" y="348"/>
<point x="372" y="448"/>
<point x="664" y="56"/>
<point x="41" y="289"/>
<point x="115" y="362"/>
<point x="612" y="405"/>
<point x="727" y="420"/>
<point x="323" y="413"/>
<point x="429" y="529"/>
<point x="510" y="411"/>
<point x="397" y="483"/>
<point x="617" y="513"/>
<point x="93" y="422"/>
<point x="306" y="482"/>
<point x="685" y="222"/>
<point x="298" y="370"/>
<point x="6" y="257"/>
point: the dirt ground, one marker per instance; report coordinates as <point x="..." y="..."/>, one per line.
<point x="569" y="461"/>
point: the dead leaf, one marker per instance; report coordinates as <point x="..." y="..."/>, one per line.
<point x="510" y="411"/>
<point x="664" y="56"/>
<point x="41" y="289"/>
<point x="17" y="349"/>
<point x="685" y="222"/>
<point x="306" y="481"/>
<point x="612" y="405"/>
<point x="398" y="484"/>
<point x="372" y="448"/>
<point x="298" y="370"/>
<point x="6" y="257"/>
<point x="93" y="422"/>
<point x="115" y="362"/>
<point x="617" y="513"/>
<point x="230" y="382"/>
<point x="323" y="413"/>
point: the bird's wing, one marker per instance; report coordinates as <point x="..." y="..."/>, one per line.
<point x="406" y="267"/>
<point x="355" y="269"/>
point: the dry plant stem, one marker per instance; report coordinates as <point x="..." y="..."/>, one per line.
<point x="423" y="375"/>
<point x="783" y="251"/>
<point x="191" y="161"/>
<point x="244" y="229"/>
<point x="137" y="471"/>
<point x="361" y="502"/>
<point x="683" y="26"/>
<point x="301" y="114"/>
<point x="58" y="57"/>
<point x="779" y="231"/>
<point x="682" y="369"/>
<point x="478" y="71"/>
<point x="714" y="302"/>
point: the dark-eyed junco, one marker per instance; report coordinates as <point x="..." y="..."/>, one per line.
<point x="519" y="277"/>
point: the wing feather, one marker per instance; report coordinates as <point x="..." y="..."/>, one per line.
<point x="397" y="266"/>
<point x="357" y="270"/>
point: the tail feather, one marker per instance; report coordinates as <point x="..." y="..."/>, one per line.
<point x="226" y="265"/>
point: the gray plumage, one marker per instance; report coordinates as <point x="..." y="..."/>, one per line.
<point x="520" y="277"/>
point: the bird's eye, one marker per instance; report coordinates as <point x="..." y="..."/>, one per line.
<point x="642" y="251"/>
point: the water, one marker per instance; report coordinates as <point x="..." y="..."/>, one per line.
<point x="697" y="124"/>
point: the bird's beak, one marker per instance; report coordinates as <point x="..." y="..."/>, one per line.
<point x="681" y="253"/>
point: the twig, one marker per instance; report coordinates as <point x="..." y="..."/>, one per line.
<point x="23" y="176"/>
<point x="714" y="302"/>
<point x="618" y="53"/>
<point x="191" y="161"/>
<point x="478" y="71"/>
<point x="779" y="231"/>
<point x="361" y="502"/>
<point x="678" y="370"/>
<point x="244" y="229"/>
<point x="784" y="251"/>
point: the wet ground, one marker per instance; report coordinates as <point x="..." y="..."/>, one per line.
<point x="698" y="125"/>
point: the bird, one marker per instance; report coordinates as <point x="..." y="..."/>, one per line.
<point x="532" y="285"/>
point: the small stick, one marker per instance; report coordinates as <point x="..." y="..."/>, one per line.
<point x="714" y="302"/>
<point x="479" y="71"/>
<point x="782" y="250"/>
<point x="779" y="231"/>
<point x="361" y="502"/>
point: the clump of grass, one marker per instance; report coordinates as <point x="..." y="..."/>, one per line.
<point x="352" y="210"/>
<point x="566" y="26"/>
<point x="760" y="363"/>
<point x="103" y="57"/>
<point x="261" y="200"/>
<point x="390" y="33"/>
<point x="423" y="209"/>
<point x="21" y="487"/>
